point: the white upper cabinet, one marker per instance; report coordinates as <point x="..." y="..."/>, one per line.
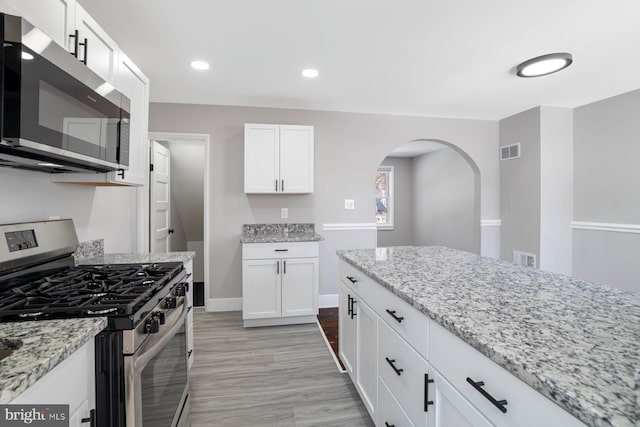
<point x="96" y="49"/>
<point x="278" y="159"/>
<point x="55" y="17"/>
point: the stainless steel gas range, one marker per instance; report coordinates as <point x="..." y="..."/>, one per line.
<point x="141" y="358"/>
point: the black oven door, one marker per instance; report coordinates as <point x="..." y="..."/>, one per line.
<point x="156" y="378"/>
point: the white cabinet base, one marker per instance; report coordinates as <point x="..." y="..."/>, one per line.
<point x="279" y="321"/>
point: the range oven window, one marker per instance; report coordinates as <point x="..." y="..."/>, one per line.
<point x="163" y="382"/>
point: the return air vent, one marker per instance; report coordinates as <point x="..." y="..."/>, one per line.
<point x="524" y="258"/>
<point x="510" y="151"/>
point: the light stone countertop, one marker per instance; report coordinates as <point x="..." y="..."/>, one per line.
<point x="279" y="233"/>
<point x="45" y="344"/>
<point x="139" y="258"/>
<point x="577" y="343"/>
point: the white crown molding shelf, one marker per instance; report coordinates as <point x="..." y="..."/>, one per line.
<point x="490" y="223"/>
<point x="605" y="226"/>
<point x="350" y="226"/>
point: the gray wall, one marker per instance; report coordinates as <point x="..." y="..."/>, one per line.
<point x="97" y="212"/>
<point x="444" y="201"/>
<point x="520" y="185"/>
<point x="607" y="190"/>
<point x="402" y="233"/>
<point x="349" y="148"/>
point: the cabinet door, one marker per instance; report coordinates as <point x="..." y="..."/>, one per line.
<point x="347" y="332"/>
<point x="261" y="288"/>
<point x="296" y="159"/>
<point x="261" y="161"/>
<point x="135" y="85"/>
<point x="299" y="287"/>
<point x="367" y="353"/>
<point x="56" y="18"/>
<point x="101" y="51"/>
<point x="453" y="410"/>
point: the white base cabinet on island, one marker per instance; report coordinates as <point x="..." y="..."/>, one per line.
<point x="410" y="371"/>
<point x="279" y="283"/>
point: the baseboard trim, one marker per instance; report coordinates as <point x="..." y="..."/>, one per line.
<point x="279" y="321"/>
<point x="350" y="226"/>
<point x="605" y="226"/>
<point x="328" y="300"/>
<point x="490" y="223"/>
<point x="224" y="304"/>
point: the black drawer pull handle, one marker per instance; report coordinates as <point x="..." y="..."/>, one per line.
<point x="393" y="366"/>
<point x="352" y="279"/>
<point x="392" y="313"/>
<point x="389" y="425"/>
<point x="497" y="403"/>
<point x="281" y="250"/>
<point x="427" y="402"/>
<point x="349" y="305"/>
<point x="353" y="312"/>
<point x="190" y="353"/>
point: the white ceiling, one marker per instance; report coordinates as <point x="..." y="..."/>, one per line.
<point x="448" y="58"/>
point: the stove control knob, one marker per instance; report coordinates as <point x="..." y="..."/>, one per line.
<point x="170" y="302"/>
<point x="181" y="290"/>
<point x="151" y="325"/>
<point x="159" y="315"/>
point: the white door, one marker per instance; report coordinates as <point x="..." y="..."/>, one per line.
<point x="261" y="169"/>
<point x="261" y="288"/>
<point x="160" y="198"/>
<point x="99" y="50"/>
<point x="296" y="159"/>
<point x="347" y="332"/>
<point x="367" y="353"/>
<point x="299" y="286"/>
<point x="56" y="18"/>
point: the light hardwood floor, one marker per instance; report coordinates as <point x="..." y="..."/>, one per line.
<point x="271" y="376"/>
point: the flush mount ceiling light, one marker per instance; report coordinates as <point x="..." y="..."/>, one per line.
<point x="545" y="64"/>
<point x="310" y="73"/>
<point x="199" y="65"/>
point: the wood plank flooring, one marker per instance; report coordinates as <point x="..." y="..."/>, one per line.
<point x="271" y="376"/>
<point x="328" y="318"/>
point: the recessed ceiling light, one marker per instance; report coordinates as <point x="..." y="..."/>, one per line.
<point x="199" y="65"/>
<point x="50" y="165"/>
<point x="27" y="56"/>
<point x="310" y="73"/>
<point x="545" y="64"/>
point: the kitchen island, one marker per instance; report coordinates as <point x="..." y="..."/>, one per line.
<point x="577" y="343"/>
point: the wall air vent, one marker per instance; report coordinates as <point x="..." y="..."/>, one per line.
<point x="524" y="258"/>
<point x="510" y="151"/>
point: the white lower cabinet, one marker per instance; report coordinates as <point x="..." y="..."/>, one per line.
<point x="279" y="283"/>
<point x="77" y="373"/>
<point x="425" y="376"/>
<point x="188" y="266"/>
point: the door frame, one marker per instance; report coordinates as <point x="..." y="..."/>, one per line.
<point x="204" y="138"/>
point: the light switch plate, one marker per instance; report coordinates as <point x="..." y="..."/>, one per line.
<point x="349" y="204"/>
<point x="284" y="213"/>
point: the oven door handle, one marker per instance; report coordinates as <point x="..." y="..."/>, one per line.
<point x="142" y="359"/>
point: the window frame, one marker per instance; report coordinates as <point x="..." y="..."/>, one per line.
<point x="390" y="206"/>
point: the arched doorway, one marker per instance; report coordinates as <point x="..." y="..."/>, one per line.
<point x="428" y="193"/>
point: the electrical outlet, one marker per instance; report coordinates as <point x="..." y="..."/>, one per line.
<point x="284" y="213"/>
<point x="349" y="204"/>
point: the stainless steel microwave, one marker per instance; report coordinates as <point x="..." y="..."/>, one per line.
<point x="56" y="114"/>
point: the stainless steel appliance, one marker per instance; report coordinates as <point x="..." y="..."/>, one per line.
<point x="57" y="114"/>
<point x="141" y="358"/>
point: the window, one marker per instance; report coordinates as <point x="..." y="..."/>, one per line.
<point x="384" y="198"/>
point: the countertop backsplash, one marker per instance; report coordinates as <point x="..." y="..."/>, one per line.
<point x="89" y="249"/>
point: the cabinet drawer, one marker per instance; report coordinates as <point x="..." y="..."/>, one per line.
<point x="360" y="283"/>
<point x="457" y="361"/>
<point x="403" y="370"/>
<point x="405" y="319"/>
<point x="389" y="411"/>
<point x="280" y="250"/>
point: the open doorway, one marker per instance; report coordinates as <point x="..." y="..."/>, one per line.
<point x="427" y="193"/>
<point x="187" y="202"/>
